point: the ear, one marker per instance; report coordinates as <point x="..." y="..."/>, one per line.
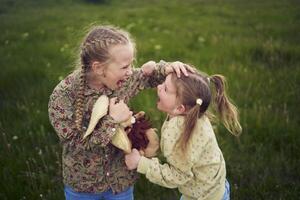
<point x="97" y="68"/>
<point x="180" y="109"/>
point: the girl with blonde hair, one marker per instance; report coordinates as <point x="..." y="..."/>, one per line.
<point x="93" y="168"/>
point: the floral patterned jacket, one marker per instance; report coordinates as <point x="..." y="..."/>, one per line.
<point x="94" y="165"/>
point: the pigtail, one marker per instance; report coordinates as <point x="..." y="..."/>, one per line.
<point x="228" y="112"/>
<point x="189" y="124"/>
<point x="80" y="101"/>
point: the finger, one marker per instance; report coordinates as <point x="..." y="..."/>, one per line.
<point x="191" y="69"/>
<point x="134" y="150"/>
<point x="129" y="114"/>
<point x="142" y="153"/>
<point x="184" y="71"/>
<point x="121" y="101"/>
<point x="112" y="101"/>
<point x="177" y="70"/>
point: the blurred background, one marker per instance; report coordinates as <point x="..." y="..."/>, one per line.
<point x="255" y="44"/>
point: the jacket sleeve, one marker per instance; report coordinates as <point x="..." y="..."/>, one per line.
<point x="138" y="81"/>
<point x="158" y="76"/>
<point x="61" y="115"/>
<point x="165" y="175"/>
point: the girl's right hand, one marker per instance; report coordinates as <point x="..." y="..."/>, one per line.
<point x="119" y="111"/>
<point x="148" y="68"/>
<point x="132" y="159"/>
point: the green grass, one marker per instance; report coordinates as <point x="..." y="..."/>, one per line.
<point x="255" y="44"/>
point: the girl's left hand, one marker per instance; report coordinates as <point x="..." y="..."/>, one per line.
<point x="132" y="159"/>
<point x="179" y="67"/>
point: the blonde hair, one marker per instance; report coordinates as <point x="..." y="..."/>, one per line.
<point x="95" y="47"/>
<point x="197" y="86"/>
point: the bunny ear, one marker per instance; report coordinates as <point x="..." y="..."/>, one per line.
<point x="139" y="114"/>
<point x="100" y="109"/>
<point x="121" y="140"/>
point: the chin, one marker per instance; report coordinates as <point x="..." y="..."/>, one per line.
<point x="158" y="107"/>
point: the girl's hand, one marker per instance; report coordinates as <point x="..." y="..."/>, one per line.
<point x="178" y="68"/>
<point x="148" y="68"/>
<point x="132" y="159"/>
<point x="119" y="111"/>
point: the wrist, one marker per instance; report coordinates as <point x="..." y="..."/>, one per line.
<point x="162" y="67"/>
<point x="143" y="165"/>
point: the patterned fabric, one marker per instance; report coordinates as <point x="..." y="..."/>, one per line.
<point x="94" y="165"/>
<point x="199" y="173"/>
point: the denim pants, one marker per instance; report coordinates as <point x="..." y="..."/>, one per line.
<point x="70" y="194"/>
<point x="226" y="195"/>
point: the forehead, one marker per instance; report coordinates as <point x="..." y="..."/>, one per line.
<point x="122" y="54"/>
<point x="170" y="84"/>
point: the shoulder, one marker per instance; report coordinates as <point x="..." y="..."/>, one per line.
<point x="203" y="134"/>
<point x="204" y="127"/>
<point x="67" y="87"/>
<point x="175" y="122"/>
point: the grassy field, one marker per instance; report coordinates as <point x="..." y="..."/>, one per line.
<point x="255" y="44"/>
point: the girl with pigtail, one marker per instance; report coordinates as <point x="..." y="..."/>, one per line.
<point x="93" y="168"/>
<point x="194" y="161"/>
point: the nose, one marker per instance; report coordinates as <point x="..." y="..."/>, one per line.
<point x="129" y="72"/>
<point x="159" y="87"/>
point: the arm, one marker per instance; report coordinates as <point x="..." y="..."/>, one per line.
<point x="166" y="175"/>
<point x="150" y="75"/>
<point x="61" y="115"/>
<point x="109" y="125"/>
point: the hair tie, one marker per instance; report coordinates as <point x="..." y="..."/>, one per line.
<point x="208" y="79"/>
<point x="199" y="101"/>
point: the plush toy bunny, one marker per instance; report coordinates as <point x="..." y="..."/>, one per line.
<point x="136" y="132"/>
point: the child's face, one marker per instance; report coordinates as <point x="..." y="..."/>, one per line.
<point x="167" y="101"/>
<point x="120" y="66"/>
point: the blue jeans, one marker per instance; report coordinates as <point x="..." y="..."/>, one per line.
<point x="226" y="195"/>
<point x="70" y="194"/>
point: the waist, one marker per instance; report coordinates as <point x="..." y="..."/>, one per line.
<point x="96" y="170"/>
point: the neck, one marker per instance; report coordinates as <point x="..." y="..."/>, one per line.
<point x="93" y="81"/>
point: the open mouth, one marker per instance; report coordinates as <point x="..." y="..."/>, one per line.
<point x="157" y="100"/>
<point x="120" y="83"/>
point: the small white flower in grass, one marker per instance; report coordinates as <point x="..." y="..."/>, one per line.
<point x="15" y="137"/>
<point x="25" y="35"/>
<point x="201" y="39"/>
<point x="157" y="47"/>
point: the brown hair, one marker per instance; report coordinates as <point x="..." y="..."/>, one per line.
<point x="95" y="47"/>
<point x="197" y="86"/>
